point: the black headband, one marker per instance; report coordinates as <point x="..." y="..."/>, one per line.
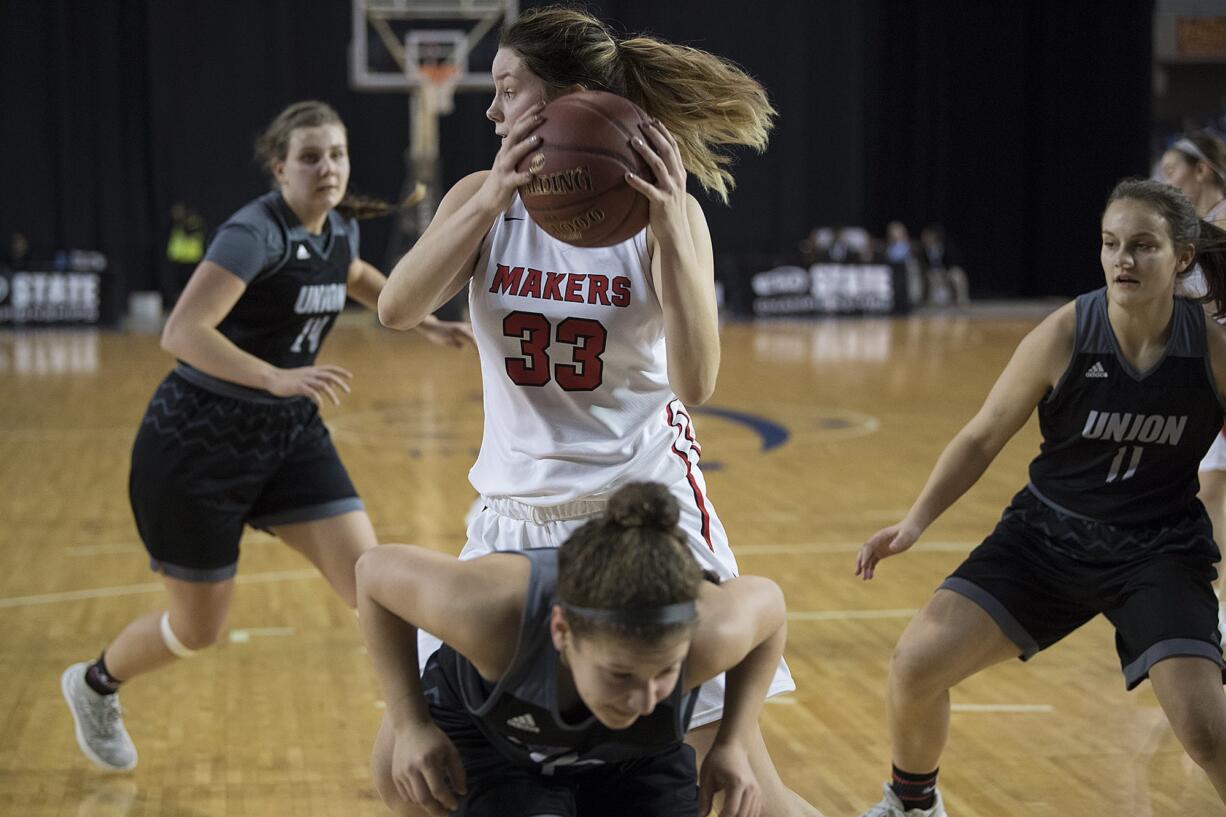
<point x="682" y="612"/>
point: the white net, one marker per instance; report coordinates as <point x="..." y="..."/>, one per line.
<point x="434" y="64"/>
<point x="437" y="87"/>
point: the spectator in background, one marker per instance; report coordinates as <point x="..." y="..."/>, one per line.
<point x="852" y="245"/>
<point x="18" y="255"/>
<point x="898" y="245"/>
<point x="1196" y="164"/>
<point x="184" y="250"/>
<point x="815" y="247"/>
<point x="900" y="249"/>
<point x="943" y="265"/>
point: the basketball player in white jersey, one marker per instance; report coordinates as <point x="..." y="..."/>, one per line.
<point x="590" y="355"/>
<point x="1196" y="164"/>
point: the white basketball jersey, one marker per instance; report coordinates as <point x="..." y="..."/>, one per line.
<point x="573" y="366"/>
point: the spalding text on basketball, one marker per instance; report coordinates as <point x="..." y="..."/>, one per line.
<point x="570" y="180"/>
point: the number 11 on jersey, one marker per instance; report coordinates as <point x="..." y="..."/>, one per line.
<point x="1118" y="462"/>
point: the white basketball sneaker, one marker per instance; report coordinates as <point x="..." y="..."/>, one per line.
<point x="99" y="722"/>
<point x="891" y="806"/>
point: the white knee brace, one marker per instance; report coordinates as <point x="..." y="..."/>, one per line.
<point x="172" y="641"/>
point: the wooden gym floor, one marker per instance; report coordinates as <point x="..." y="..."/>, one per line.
<point x="819" y="434"/>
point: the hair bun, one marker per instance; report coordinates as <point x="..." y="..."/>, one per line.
<point x="644" y="505"/>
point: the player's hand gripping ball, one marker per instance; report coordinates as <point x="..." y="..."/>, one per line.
<point x="578" y="193"/>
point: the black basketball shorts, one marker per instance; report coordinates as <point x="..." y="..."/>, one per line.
<point x="204" y="464"/>
<point x="661" y="785"/>
<point x="1030" y="578"/>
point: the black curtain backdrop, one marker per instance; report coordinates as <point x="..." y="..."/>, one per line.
<point x="1007" y="122"/>
<point x="1010" y="123"/>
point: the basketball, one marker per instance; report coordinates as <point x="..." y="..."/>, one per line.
<point x="579" y="193"/>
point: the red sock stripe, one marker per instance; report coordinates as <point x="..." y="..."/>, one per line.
<point x="682" y="428"/>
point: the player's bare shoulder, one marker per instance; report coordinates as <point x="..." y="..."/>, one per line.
<point x="1060" y="326"/>
<point x="1048" y="348"/>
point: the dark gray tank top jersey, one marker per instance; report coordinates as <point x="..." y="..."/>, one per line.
<point x="1122" y="446"/>
<point x="519" y="714"/>
<point x="296" y="282"/>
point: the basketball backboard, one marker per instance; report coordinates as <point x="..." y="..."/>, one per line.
<point x="391" y="38"/>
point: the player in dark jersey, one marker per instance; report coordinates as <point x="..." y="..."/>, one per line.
<point x="568" y="675"/>
<point x="1128" y="383"/>
<point x="233" y="435"/>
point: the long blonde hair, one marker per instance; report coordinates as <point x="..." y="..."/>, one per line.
<point x="705" y="101"/>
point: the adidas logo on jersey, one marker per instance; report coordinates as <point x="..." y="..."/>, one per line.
<point x="1096" y="370"/>
<point x="303" y="253"/>
<point x="524" y="723"/>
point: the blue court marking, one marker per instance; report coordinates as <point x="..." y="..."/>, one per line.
<point x="771" y="433"/>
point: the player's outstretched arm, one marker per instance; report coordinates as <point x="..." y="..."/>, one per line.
<point x="1035" y="368"/>
<point x="365" y="282"/>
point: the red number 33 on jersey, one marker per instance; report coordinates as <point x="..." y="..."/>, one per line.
<point x="585" y="337"/>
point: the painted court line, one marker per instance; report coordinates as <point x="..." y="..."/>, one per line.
<point x="107" y="549"/>
<point x="101" y="550"/>
<point x="1002" y="707"/>
<point x="244" y="635"/>
<point x="843" y="547"/>
<point x="848" y="615"/>
<point x="148" y="587"/>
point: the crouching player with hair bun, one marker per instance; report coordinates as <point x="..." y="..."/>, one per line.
<point x="568" y="675"/>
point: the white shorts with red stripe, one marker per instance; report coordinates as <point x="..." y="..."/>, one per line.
<point x="508" y="525"/>
<point x="1215" y="459"/>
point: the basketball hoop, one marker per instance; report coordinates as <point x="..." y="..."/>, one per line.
<point x="438" y="84"/>
<point x="434" y="63"/>
<point x="431" y="49"/>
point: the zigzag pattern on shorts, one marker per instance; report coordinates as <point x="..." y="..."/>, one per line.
<point x="199" y="421"/>
<point x="1099" y="542"/>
